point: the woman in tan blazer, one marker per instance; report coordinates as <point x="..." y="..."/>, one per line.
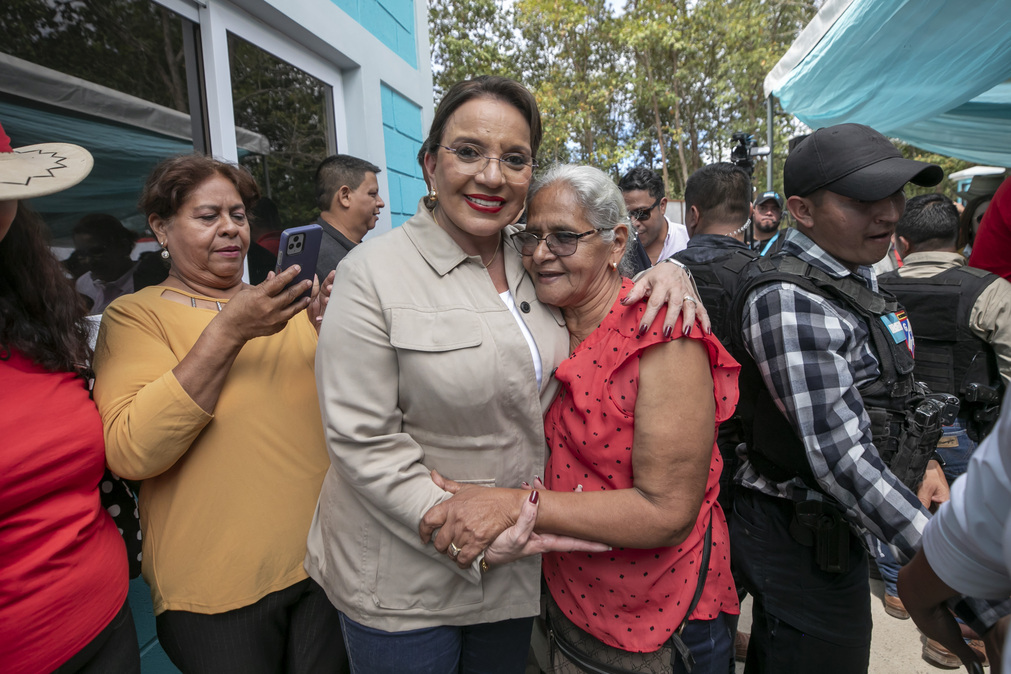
<point x="435" y="354"/>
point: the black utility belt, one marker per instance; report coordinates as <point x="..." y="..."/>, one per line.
<point x="819" y="525"/>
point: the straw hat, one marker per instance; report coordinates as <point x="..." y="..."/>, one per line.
<point x="982" y="186"/>
<point x="38" y="170"/>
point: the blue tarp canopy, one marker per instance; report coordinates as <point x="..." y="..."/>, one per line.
<point x="933" y="73"/>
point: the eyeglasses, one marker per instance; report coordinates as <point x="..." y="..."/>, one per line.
<point x="561" y="244"/>
<point x="642" y="213"/>
<point x="470" y="160"/>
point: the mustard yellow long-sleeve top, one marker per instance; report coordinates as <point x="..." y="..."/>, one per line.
<point x="227" y="498"/>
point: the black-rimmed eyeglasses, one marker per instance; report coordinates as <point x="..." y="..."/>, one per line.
<point x="561" y="244"/>
<point x="471" y="160"/>
<point x="640" y="214"/>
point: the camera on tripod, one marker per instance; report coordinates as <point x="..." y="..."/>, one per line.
<point x="745" y="149"/>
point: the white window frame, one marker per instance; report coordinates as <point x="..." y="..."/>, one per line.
<point x="216" y="19"/>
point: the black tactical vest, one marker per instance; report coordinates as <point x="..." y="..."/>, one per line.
<point x="774" y="448"/>
<point x="949" y="356"/>
<point x="717" y="282"/>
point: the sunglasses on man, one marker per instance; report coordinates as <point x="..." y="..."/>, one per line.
<point x="640" y="214"/>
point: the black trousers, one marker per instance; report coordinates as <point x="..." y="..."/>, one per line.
<point x="295" y="630"/>
<point x="803" y="619"/>
<point x="113" y="651"/>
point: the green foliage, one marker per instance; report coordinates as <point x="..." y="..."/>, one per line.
<point x="948" y="164"/>
<point x="142" y="57"/>
<point x="287" y="106"/>
<point x="469" y="38"/>
<point x="663" y="84"/>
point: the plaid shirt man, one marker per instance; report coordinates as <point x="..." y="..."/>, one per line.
<point x="813" y="355"/>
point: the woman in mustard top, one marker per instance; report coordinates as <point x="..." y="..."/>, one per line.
<point x="206" y="389"/>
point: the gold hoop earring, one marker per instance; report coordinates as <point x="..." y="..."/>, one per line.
<point x="432" y="198"/>
<point x="614" y="266"/>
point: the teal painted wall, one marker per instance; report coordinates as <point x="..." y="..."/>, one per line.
<point x="403" y="136"/>
<point x="391" y="21"/>
<point x="152" y="658"/>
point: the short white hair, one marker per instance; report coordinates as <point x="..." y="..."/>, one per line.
<point x="602" y="202"/>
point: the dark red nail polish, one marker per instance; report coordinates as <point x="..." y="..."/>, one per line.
<point x="667" y="331"/>
<point x="643" y="329"/>
<point x="533" y="497"/>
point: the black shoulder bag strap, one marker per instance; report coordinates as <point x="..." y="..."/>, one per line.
<point x="678" y="647"/>
<point x="678" y="644"/>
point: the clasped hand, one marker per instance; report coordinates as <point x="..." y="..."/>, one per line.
<point x="498" y="522"/>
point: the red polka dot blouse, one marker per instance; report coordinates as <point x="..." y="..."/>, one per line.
<point x="630" y="599"/>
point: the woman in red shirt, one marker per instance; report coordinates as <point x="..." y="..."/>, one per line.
<point x="634" y="463"/>
<point x="63" y="565"/>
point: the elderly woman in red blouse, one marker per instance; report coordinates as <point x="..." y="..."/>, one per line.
<point x="633" y="463"/>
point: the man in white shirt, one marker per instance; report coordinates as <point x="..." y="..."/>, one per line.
<point x="644" y="196"/>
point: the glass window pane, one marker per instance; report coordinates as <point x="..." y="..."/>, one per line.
<point x="111" y="76"/>
<point x="282" y="121"/>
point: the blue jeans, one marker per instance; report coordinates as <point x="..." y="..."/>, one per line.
<point x="955" y="448"/>
<point x="711" y="643"/>
<point x="492" y="648"/>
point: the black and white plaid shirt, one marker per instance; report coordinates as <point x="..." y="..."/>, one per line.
<point x="813" y="355"/>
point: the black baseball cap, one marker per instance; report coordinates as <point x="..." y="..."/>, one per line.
<point x="855" y="161"/>
<point x="771" y="195"/>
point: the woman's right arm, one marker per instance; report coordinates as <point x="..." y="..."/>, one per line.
<point x="153" y="404"/>
<point x="255" y="311"/>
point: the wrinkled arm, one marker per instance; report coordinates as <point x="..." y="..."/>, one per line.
<point x="671" y="456"/>
<point x="673" y="448"/>
<point x="520" y="540"/>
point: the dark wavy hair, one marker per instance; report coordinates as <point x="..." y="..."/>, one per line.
<point x="173" y="181"/>
<point x="41" y="314"/>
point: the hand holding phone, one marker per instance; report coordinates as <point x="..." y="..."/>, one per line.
<point x="300" y="245"/>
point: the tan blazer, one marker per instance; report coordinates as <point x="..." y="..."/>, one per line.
<point x="420" y="365"/>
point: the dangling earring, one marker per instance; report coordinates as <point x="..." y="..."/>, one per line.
<point x="164" y="252"/>
<point x="614" y="266"/>
<point x="432" y="198"/>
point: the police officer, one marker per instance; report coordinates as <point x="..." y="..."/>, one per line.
<point x="961" y="319"/>
<point x="836" y="361"/>
<point x="717" y="210"/>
